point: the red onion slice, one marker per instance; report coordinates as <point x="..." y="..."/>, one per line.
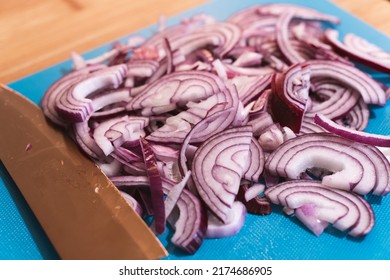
<point x="249" y="88"/>
<point x="310" y="200"/>
<point x="54" y="92"/>
<point x="142" y="68"/>
<point x="339" y="103"/>
<point x="130" y="181"/>
<point x="174" y="194"/>
<point x="177" y="127"/>
<point x="369" y="89"/>
<point x="271" y="138"/>
<point x="83" y="136"/>
<point x="156" y="188"/>
<point x="354" y="135"/>
<point x="190" y="224"/>
<point x="256" y="165"/>
<point x="367" y="55"/>
<point x="357" y="117"/>
<point x="283" y="40"/>
<point x="114" y="132"/>
<point x="133" y="203"/>
<point x="176" y="88"/>
<point x="308" y="126"/>
<point x="254" y="202"/>
<point x="308" y="215"/>
<point x="218" y="166"/>
<point x="299" y="11"/>
<point x="352" y="164"/>
<point x="290" y="92"/>
<point x="74" y="105"/>
<point x="247" y="59"/>
<point x="235" y="221"/>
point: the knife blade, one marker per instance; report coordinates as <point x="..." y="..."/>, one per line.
<point x="80" y="209"/>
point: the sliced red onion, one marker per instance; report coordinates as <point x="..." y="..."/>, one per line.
<point x="242" y="114"/>
<point x="283" y="40"/>
<point x="133" y="169"/>
<point x="165" y="153"/>
<point x="121" y="56"/>
<point x="310" y="34"/>
<point x="177" y="88"/>
<point x="111" y="98"/>
<point x="127" y="155"/>
<point x="219" y="69"/>
<point x="218" y="166"/>
<point x="171" y="171"/>
<point x="288" y="134"/>
<point x="260" y="123"/>
<point x="174" y="194"/>
<point x="360" y="50"/>
<point x="382" y="186"/>
<point x="339" y="103"/>
<point x="307" y="214"/>
<point x="78" y="61"/>
<point x="317" y="195"/>
<point x="74" y="106"/>
<point x="235" y="221"/>
<point x="223" y="36"/>
<point x="107" y="56"/>
<point x="256" y="165"/>
<point x="319" y="205"/>
<point x="253" y="191"/>
<point x="361" y="45"/>
<point x="249" y="88"/>
<point x="142" y="68"/>
<point x="132" y="202"/>
<point x="169" y="55"/>
<point x="156" y="188"/>
<point x="177" y="127"/>
<point x="231" y="34"/>
<point x="83" y="136"/>
<point x="248" y="58"/>
<point x="350" y="163"/>
<point x="248" y="14"/>
<point x="114" y="132"/>
<point x="354" y="135"/>
<point x="261" y="104"/>
<point x="254" y="202"/>
<point x="325" y="54"/>
<point x="369" y="89"/>
<point x="290" y="92"/>
<point x="308" y="126"/>
<point x="191" y="222"/>
<point x="271" y="138"/>
<point x="54" y="92"/>
<point x="357" y="118"/>
<point x="130" y="181"/>
<point x="111" y="169"/>
<point x="299" y="11"/>
<point x="173" y="32"/>
<point x="209" y="89"/>
<point x="184" y="163"/>
<point x="233" y="70"/>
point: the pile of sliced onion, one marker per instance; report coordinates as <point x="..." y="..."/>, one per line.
<point x="207" y="122"/>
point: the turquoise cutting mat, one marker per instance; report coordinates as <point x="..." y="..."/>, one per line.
<point x="270" y="237"/>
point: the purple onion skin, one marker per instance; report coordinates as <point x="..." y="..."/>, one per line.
<point x="156" y="188"/>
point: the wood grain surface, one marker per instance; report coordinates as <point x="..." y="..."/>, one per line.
<point x="35" y="34"/>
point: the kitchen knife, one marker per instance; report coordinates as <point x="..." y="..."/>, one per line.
<point x="81" y="211"/>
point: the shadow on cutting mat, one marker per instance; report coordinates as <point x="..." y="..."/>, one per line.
<point x="35" y="229"/>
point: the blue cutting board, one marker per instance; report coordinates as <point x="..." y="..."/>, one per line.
<point x="273" y="237"/>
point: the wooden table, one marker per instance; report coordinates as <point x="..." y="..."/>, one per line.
<point x="35" y="34"/>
